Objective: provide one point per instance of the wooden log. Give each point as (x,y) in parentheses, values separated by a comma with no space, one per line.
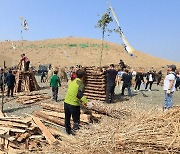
(49,137)
(52,107)
(50,118)
(95,79)
(95,82)
(93,88)
(94,92)
(95,95)
(94,85)
(96,98)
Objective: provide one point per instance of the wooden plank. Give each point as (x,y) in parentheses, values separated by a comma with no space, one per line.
(49,137)
(14,124)
(23,121)
(13,129)
(23,137)
(1,114)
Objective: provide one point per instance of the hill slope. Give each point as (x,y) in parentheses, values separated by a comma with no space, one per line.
(72,51)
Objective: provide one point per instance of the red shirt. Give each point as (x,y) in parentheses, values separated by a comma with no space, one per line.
(25,59)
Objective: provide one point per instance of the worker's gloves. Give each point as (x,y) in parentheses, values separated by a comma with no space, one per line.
(89,105)
(168,91)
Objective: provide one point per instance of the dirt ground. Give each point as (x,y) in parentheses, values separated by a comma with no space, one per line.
(145,100)
(95,138)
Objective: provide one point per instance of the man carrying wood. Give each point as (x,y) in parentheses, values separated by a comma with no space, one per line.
(55,83)
(73,98)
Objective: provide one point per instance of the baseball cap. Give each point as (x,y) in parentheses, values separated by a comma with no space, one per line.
(173,67)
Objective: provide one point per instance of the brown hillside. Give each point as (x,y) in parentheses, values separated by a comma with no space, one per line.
(72,51)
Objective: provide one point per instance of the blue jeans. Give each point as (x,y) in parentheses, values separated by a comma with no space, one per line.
(168,101)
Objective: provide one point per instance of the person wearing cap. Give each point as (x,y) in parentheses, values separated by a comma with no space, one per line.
(26,62)
(74,97)
(169,86)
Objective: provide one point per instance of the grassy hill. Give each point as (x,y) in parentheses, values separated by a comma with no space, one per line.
(72,51)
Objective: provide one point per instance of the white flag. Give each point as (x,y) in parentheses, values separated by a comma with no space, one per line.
(24,23)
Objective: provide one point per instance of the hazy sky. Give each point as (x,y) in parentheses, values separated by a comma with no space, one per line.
(151,26)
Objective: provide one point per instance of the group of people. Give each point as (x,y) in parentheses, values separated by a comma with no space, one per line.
(7,78)
(170,84)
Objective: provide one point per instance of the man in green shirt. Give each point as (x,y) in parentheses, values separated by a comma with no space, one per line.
(74,97)
(55,83)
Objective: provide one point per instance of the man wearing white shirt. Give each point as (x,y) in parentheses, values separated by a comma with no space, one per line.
(169,86)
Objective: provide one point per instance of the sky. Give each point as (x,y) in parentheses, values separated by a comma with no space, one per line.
(151,26)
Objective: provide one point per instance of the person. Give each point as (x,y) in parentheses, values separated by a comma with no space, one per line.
(139,80)
(43,77)
(169,86)
(159,77)
(126,78)
(122,65)
(11,81)
(3,75)
(1,79)
(55,83)
(177,80)
(150,77)
(73,99)
(73,74)
(110,83)
(26,62)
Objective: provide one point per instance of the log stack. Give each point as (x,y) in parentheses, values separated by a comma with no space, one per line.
(25,81)
(20,133)
(95,84)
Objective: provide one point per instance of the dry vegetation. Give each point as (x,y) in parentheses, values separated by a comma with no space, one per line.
(63,52)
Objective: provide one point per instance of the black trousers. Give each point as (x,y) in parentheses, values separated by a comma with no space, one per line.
(10,90)
(110,92)
(55,92)
(26,66)
(158,81)
(150,84)
(138,84)
(73,111)
(1,87)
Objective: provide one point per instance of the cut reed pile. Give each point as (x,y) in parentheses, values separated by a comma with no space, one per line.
(158,134)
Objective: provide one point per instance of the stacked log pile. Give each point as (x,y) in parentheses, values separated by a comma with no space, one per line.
(25,81)
(20,133)
(95,84)
(30,99)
